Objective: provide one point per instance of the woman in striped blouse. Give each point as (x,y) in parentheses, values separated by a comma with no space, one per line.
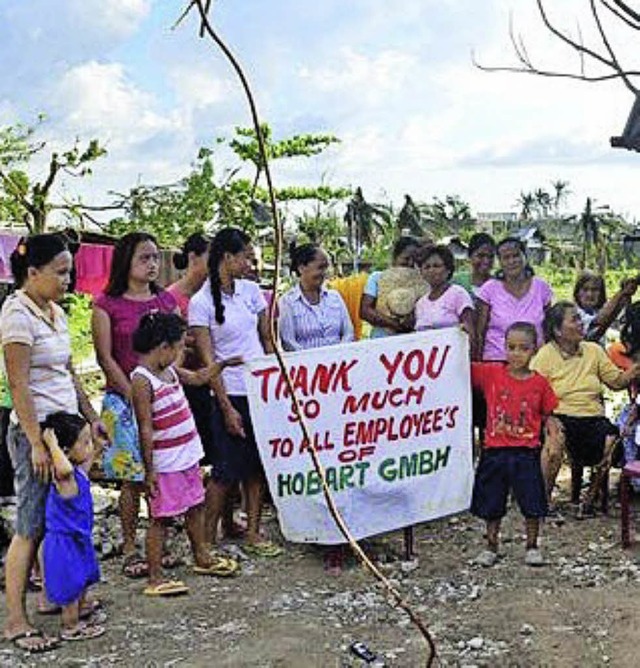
(312,315)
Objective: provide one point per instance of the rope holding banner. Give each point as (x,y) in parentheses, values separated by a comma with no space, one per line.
(203,7)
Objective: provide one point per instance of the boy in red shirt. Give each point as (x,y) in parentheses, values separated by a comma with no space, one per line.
(518,400)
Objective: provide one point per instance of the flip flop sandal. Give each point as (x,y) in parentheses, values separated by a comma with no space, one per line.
(134,566)
(169,588)
(82,631)
(91,609)
(266,550)
(97,617)
(219,567)
(46,644)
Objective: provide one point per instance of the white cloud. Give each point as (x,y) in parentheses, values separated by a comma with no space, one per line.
(118,18)
(197,87)
(363,77)
(98,98)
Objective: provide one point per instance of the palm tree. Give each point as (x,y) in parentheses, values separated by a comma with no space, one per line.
(410,220)
(364,221)
(561,191)
(542,202)
(526,202)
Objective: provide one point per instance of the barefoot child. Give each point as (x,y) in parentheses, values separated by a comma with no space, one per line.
(518,400)
(171,447)
(70,563)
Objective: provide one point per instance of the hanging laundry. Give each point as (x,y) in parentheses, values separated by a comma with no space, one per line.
(93,262)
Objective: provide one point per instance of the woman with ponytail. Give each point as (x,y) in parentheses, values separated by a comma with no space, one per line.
(37,353)
(131,293)
(192,259)
(228,319)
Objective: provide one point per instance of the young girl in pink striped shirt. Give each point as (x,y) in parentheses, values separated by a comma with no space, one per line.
(171,446)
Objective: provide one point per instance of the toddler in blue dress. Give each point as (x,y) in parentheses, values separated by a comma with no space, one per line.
(70,563)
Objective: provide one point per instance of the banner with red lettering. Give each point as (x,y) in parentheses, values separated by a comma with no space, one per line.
(391,419)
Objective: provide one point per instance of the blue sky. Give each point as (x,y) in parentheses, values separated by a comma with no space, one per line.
(393,80)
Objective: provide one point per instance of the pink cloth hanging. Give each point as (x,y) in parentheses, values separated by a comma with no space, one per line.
(8,243)
(93,262)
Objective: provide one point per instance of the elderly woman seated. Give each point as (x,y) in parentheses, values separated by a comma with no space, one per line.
(577,370)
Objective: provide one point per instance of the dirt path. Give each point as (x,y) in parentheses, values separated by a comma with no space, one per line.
(580,610)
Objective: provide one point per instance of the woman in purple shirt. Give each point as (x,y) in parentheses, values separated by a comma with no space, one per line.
(515,295)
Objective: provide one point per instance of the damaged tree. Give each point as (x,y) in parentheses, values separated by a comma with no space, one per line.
(602,55)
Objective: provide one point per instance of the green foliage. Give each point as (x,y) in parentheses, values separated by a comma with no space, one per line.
(245,145)
(78,308)
(25,201)
(204,200)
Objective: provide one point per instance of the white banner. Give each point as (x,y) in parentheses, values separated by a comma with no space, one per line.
(391,418)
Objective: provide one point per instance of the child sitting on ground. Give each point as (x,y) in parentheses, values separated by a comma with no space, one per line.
(70,563)
(171,447)
(518,400)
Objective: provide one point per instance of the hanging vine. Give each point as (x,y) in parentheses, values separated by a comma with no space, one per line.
(206,29)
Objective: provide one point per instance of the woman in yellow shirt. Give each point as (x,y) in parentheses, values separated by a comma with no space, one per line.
(577,370)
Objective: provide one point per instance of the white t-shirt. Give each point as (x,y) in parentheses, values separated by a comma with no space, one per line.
(238,335)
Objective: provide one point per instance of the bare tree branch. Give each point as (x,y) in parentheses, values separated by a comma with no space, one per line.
(625,9)
(629,21)
(607,59)
(607,46)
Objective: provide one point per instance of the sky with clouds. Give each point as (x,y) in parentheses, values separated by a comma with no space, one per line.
(393,80)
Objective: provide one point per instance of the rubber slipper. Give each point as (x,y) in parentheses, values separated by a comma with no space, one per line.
(266,550)
(82,631)
(90,609)
(134,566)
(169,588)
(219,567)
(46,643)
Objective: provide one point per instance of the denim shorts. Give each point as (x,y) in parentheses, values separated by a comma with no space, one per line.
(31,494)
(501,470)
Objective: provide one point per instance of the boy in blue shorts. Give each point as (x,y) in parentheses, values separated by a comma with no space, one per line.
(518,400)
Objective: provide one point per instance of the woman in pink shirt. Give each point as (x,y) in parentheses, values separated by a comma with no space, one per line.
(515,295)
(131,292)
(446,304)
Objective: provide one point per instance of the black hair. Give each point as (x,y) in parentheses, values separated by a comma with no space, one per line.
(587,277)
(158,328)
(35,251)
(402,244)
(66,427)
(196,243)
(553,319)
(630,332)
(478,240)
(123,253)
(442,252)
(302,255)
(524,327)
(227,240)
(528,269)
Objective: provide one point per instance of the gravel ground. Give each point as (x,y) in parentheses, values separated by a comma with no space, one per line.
(578,610)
